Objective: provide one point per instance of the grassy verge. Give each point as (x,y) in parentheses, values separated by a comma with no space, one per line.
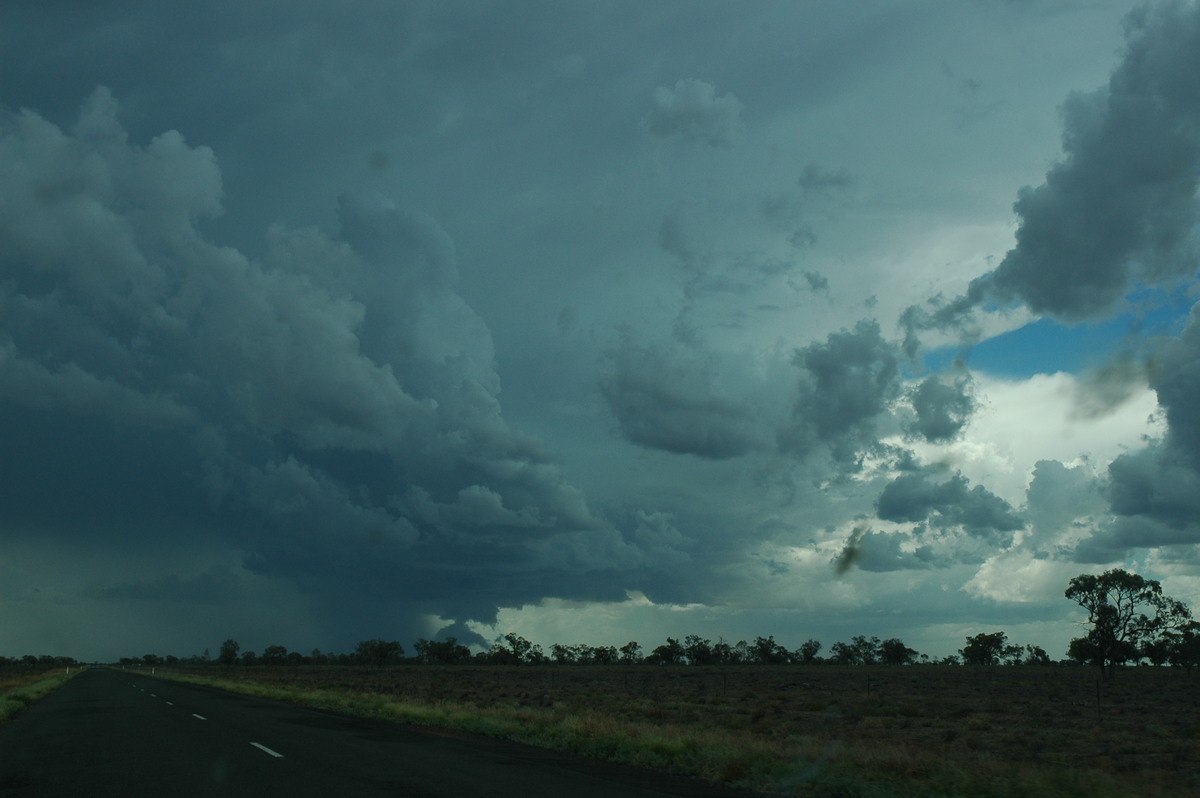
(19,690)
(786,765)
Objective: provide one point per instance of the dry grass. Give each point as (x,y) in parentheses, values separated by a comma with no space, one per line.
(805,730)
(20,688)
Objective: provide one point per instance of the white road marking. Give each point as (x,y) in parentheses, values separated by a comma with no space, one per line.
(170,704)
(268,750)
(201,717)
(154,695)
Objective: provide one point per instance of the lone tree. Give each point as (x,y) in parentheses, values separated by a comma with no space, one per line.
(229,652)
(1128,614)
(988,649)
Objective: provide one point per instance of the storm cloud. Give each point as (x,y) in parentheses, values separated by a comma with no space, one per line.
(336,394)
(943,407)
(915,498)
(846,386)
(1120,207)
(405,320)
(671,403)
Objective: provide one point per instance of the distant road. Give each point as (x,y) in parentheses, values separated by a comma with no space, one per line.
(116,733)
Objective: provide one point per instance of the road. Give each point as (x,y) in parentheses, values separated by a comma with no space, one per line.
(116,733)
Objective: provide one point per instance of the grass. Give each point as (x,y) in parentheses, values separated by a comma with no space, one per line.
(867,747)
(19,689)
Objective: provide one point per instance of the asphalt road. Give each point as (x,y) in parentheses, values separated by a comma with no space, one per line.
(116,733)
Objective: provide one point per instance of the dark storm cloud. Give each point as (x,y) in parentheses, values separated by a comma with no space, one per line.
(671,404)
(693,112)
(847,384)
(211,587)
(332,408)
(915,498)
(943,407)
(1175,377)
(1120,206)
(1155,492)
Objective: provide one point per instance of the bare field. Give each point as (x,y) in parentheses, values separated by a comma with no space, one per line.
(1042,730)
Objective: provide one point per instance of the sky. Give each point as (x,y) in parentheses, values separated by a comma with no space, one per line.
(593,322)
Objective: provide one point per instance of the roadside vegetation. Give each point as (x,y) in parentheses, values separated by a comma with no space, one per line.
(21,686)
(799,730)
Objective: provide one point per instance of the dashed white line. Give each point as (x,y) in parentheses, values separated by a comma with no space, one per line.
(170,704)
(262,747)
(199,717)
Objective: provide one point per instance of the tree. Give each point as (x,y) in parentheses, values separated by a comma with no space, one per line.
(807,651)
(859,651)
(441,652)
(1185,646)
(1126,612)
(377,653)
(767,652)
(669,653)
(988,649)
(698,650)
(522,649)
(229,652)
(1035,655)
(894,652)
(631,653)
(274,655)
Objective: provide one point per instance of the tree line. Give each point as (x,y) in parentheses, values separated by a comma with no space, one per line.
(1129,620)
(42,661)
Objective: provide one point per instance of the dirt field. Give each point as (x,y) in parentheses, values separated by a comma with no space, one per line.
(1142,727)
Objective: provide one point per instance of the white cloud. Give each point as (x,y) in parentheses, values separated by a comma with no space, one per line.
(1019,422)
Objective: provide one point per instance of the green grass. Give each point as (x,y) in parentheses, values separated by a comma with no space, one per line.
(18,691)
(789,765)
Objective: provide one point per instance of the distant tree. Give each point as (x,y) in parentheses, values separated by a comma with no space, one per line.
(894,652)
(767,652)
(807,652)
(1158,650)
(604,655)
(229,652)
(859,651)
(721,653)
(377,653)
(698,650)
(631,653)
(1185,646)
(274,655)
(171,659)
(669,653)
(1035,655)
(1125,611)
(441,652)
(562,654)
(987,649)
(521,648)
(151,659)
(249,658)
